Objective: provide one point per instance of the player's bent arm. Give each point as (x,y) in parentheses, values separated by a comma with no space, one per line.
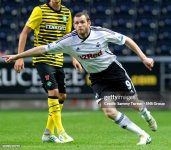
(19,64)
(76,64)
(148,62)
(133,46)
(23,38)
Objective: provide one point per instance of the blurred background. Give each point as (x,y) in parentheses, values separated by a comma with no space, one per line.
(147,22)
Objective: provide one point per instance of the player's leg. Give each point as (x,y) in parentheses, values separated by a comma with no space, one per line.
(50,126)
(124,122)
(54,110)
(60,94)
(49,84)
(60,78)
(145,113)
(139,105)
(62,97)
(127,86)
(112,80)
(54,117)
(119,118)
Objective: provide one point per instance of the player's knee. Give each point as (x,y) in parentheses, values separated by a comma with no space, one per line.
(110,113)
(53,93)
(62,96)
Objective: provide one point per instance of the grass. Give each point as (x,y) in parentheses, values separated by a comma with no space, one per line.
(90,129)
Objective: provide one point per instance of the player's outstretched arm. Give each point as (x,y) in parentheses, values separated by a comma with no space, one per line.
(148,62)
(36,51)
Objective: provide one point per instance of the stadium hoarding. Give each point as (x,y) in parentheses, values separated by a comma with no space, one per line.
(143,79)
(27,83)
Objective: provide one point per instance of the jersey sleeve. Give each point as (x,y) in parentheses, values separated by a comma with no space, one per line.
(56,47)
(114,37)
(35,18)
(69,23)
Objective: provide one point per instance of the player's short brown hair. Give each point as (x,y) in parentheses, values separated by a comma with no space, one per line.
(79,14)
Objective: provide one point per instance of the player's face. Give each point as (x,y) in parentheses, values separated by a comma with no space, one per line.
(82,26)
(56,1)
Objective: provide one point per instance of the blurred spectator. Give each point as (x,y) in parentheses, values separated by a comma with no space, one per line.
(146,21)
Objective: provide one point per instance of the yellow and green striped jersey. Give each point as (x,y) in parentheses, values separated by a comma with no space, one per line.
(49,25)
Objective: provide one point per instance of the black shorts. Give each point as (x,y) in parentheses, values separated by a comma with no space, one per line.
(52,77)
(112,80)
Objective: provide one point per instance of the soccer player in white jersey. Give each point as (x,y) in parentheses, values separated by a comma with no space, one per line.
(89,45)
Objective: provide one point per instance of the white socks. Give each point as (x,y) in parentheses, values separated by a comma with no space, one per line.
(145,113)
(124,122)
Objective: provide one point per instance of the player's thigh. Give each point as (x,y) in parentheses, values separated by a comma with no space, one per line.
(47,75)
(125,91)
(125,85)
(60,79)
(99,91)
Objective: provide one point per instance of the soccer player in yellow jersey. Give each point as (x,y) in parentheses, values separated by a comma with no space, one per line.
(50,22)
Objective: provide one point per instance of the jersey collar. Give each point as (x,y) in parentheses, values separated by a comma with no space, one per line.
(83,39)
(54,9)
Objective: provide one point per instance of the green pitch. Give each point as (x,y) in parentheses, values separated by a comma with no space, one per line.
(90,129)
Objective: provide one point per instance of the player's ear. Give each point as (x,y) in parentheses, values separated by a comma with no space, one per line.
(89,22)
(73,25)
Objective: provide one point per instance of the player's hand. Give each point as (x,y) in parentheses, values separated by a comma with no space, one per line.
(9,58)
(77,65)
(19,65)
(148,62)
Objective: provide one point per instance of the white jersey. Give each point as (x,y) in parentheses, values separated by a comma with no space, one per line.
(93,52)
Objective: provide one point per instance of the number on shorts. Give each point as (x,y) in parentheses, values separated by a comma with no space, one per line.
(128,84)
